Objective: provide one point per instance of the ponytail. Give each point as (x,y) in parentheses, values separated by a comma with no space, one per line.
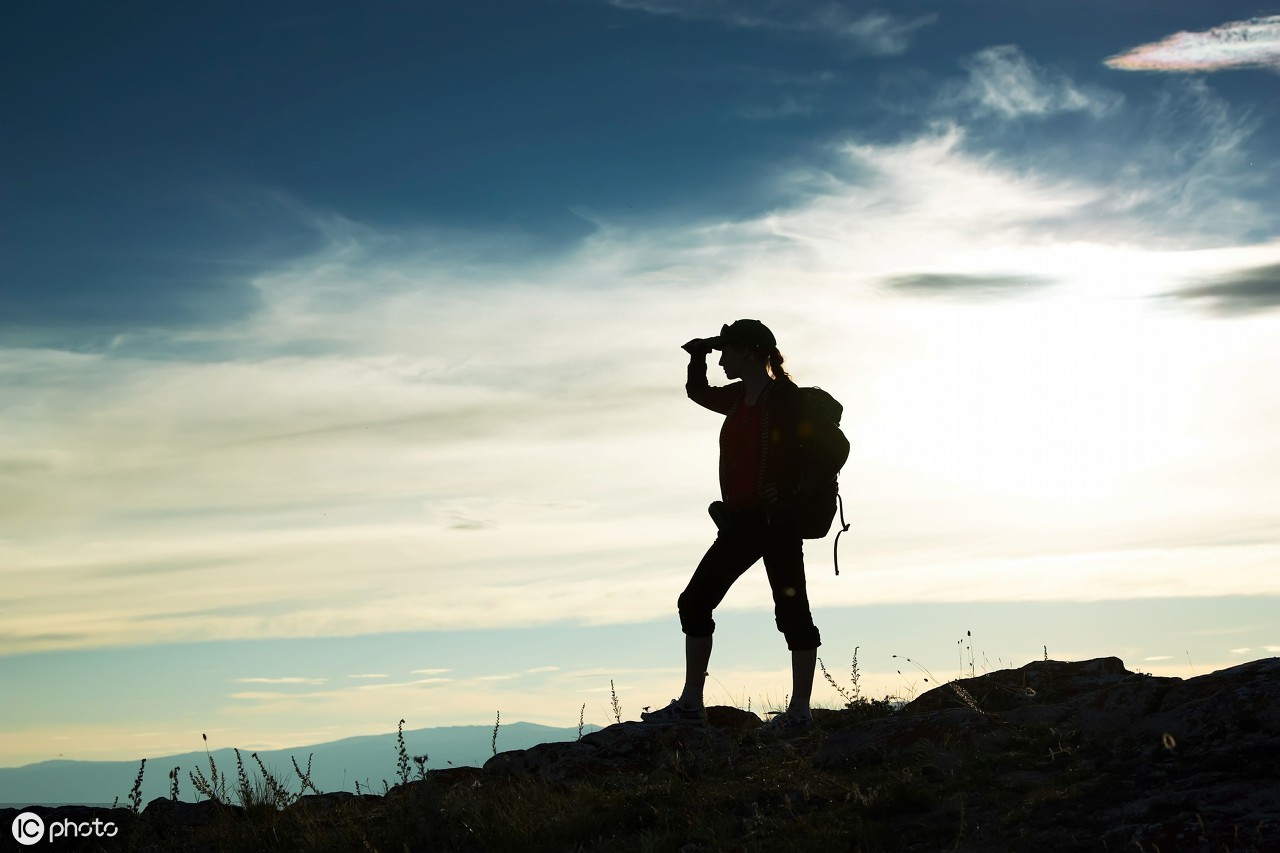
(773,363)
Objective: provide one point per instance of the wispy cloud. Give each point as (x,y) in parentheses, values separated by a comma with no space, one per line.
(1004,81)
(1195,166)
(968,286)
(1244,291)
(270,696)
(418,682)
(1254,43)
(285,680)
(1178,156)
(875,33)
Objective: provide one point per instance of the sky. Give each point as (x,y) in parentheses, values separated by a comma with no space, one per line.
(340,377)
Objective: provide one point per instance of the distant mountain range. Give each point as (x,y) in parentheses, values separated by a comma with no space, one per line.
(335,766)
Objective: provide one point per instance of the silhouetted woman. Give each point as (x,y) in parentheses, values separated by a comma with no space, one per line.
(762,478)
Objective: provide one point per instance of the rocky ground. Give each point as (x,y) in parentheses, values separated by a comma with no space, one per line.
(1050,756)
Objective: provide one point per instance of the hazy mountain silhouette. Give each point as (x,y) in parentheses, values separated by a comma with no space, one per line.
(335,766)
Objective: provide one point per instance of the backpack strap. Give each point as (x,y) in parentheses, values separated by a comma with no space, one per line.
(844,526)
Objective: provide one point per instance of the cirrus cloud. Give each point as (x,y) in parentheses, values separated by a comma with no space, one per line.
(1004,81)
(875,33)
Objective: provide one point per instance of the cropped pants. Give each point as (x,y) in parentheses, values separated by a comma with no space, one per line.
(740,543)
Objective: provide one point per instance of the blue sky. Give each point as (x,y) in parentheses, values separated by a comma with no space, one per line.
(354,321)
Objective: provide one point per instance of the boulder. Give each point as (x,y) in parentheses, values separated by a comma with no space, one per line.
(187,815)
(624,748)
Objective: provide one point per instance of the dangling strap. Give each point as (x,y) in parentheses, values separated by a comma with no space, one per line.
(835,550)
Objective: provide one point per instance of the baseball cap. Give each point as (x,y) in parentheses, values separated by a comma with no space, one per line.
(751,333)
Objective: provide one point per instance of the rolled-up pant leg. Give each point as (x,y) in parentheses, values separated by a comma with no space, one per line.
(726,560)
(783,552)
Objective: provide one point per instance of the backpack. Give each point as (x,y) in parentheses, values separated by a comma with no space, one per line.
(823,449)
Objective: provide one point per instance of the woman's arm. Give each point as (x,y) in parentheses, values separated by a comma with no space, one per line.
(719,399)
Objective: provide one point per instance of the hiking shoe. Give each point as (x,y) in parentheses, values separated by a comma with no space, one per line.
(784,724)
(675,713)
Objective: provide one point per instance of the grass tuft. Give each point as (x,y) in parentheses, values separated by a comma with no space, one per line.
(402,763)
(213,786)
(305,777)
(135,793)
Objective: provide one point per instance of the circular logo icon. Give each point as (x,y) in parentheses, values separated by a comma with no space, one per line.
(28,828)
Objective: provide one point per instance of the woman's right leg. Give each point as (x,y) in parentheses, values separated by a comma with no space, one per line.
(784,563)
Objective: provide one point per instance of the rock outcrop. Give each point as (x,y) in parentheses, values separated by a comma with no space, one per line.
(1135,761)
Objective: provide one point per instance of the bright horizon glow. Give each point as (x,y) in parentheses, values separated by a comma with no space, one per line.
(749,669)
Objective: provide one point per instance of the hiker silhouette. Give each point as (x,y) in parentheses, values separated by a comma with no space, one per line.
(769,476)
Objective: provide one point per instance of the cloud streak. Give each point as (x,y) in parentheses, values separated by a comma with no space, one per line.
(967,286)
(1246,291)
(1005,82)
(1254,43)
(874,33)
(283,680)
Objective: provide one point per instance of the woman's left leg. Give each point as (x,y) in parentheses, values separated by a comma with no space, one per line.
(803,665)
(784,563)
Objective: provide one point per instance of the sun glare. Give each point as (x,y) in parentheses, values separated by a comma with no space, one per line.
(1054,401)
